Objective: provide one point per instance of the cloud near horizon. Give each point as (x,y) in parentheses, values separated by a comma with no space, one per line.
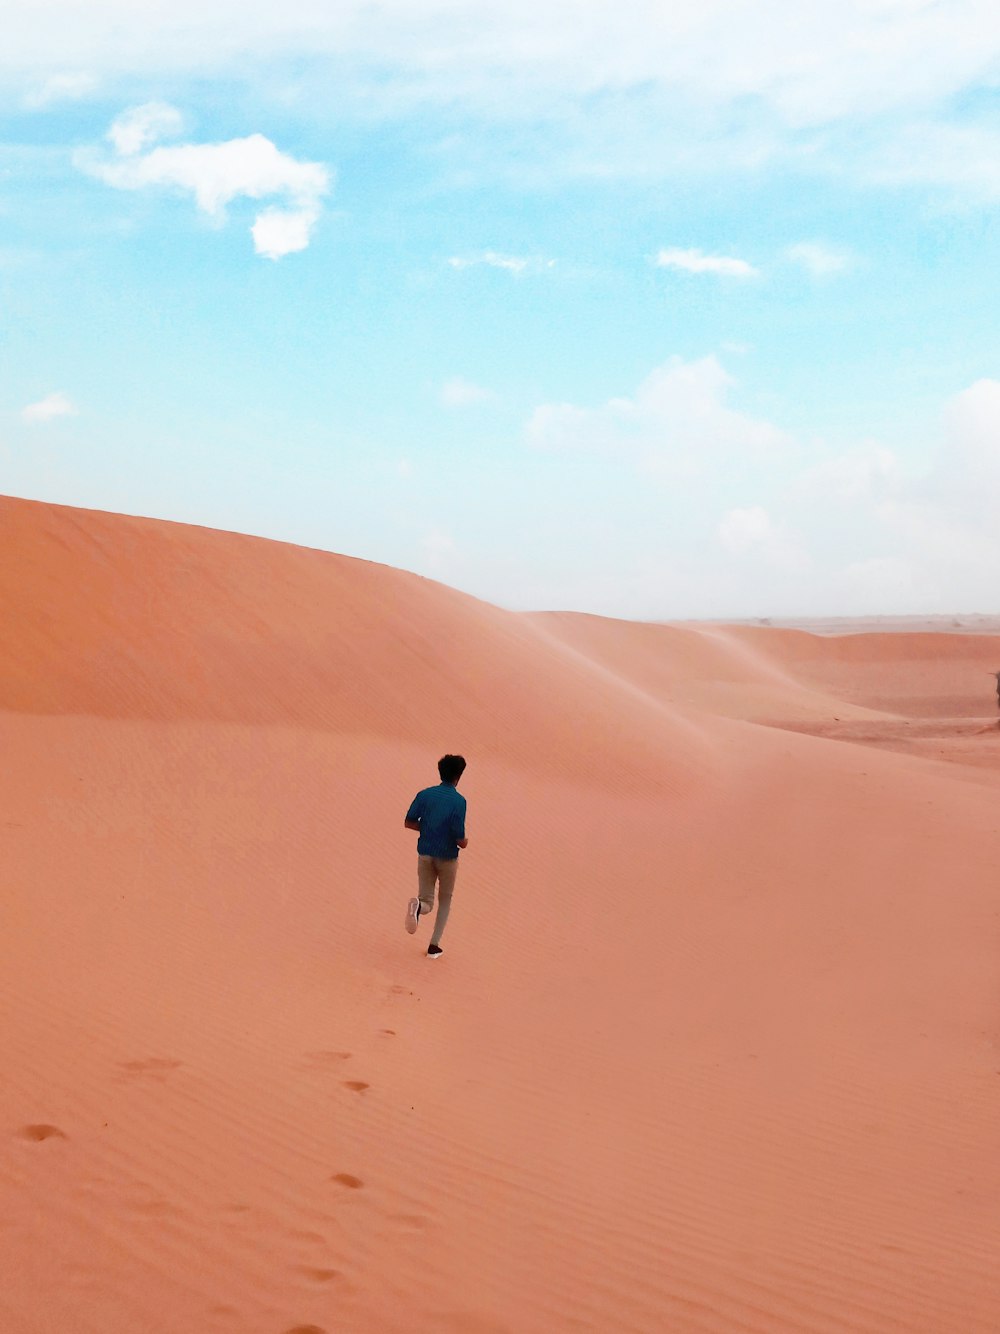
(676,423)
(868,533)
(215,174)
(48,409)
(849,532)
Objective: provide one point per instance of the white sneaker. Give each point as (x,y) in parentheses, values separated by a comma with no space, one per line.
(412,915)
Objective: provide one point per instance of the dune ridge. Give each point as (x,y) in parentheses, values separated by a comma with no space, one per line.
(713,1046)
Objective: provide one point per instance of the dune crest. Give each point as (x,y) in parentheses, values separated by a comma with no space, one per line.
(133,618)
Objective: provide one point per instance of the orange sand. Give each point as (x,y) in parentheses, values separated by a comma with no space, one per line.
(713,1045)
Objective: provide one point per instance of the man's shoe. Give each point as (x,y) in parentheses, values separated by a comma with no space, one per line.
(412,915)
(434,951)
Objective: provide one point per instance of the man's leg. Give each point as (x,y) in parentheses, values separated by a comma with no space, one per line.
(426,876)
(446,871)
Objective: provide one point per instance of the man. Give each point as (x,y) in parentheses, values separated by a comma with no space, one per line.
(438,815)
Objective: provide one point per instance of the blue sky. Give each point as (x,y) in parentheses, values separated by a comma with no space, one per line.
(654,312)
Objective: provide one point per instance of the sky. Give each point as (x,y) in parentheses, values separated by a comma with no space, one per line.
(648,309)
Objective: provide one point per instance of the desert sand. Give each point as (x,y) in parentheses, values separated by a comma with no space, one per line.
(714,1042)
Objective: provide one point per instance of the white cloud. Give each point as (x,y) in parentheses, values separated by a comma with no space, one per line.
(70,87)
(459,393)
(963,157)
(810,62)
(676,423)
(881,538)
(138,127)
(282,231)
(694,261)
(819,259)
(865,474)
(48,408)
(216,174)
(621,87)
(964,482)
(565,426)
(754,523)
(942,561)
(516,264)
(751,532)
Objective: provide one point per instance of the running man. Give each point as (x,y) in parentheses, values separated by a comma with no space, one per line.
(438,816)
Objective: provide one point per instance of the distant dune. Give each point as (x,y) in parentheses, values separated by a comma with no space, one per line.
(969,623)
(714,1042)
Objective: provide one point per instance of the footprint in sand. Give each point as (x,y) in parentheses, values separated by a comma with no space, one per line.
(300,1235)
(38,1133)
(154,1067)
(325,1060)
(346,1179)
(466,1322)
(319,1275)
(358,1085)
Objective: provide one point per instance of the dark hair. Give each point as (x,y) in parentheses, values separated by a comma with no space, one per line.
(451,768)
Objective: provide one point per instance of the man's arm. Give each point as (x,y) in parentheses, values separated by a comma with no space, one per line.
(412,816)
(458,829)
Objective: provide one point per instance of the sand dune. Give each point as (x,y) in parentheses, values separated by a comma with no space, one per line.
(916,675)
(713,1046)
(711,668)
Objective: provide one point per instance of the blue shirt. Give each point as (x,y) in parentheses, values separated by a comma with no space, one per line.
(441,813)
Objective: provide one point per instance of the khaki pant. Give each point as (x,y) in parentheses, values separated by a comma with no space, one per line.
(440,872)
